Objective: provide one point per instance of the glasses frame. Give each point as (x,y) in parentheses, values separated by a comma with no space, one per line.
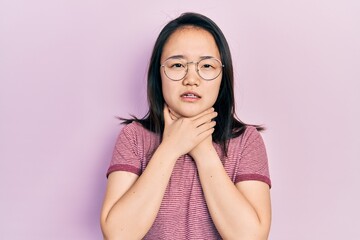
(196,69)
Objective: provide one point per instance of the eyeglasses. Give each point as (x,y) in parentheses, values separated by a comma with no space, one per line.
(207,68)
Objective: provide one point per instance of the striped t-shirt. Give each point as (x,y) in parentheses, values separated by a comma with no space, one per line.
(183,213)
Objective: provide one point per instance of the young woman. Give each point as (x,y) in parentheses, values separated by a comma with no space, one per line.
(189,169)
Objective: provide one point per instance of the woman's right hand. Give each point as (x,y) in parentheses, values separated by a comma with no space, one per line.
(182,134)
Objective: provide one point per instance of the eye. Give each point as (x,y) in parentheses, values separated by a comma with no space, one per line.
(210,64)
(207,66)
(177,65)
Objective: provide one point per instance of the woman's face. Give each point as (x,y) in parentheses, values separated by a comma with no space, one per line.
(191,95)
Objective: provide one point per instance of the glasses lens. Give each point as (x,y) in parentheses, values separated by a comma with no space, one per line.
(210,68)
(175,69)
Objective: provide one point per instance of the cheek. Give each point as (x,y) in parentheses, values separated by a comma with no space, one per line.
(166,90)
(215,93)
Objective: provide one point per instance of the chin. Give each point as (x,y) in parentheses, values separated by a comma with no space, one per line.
(188,110)
(191,113)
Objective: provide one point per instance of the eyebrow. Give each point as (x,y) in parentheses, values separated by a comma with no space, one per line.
(182,56)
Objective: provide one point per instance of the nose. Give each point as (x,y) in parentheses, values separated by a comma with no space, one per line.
(192,77)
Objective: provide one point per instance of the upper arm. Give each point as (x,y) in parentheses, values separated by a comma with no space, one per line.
(118,184)
(124,167)
(258,195)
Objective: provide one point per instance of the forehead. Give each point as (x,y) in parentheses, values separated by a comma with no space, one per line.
(190,42)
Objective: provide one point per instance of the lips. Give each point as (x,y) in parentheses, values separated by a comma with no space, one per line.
(190,95)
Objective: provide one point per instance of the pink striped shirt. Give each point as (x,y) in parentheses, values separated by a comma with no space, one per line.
(183,213)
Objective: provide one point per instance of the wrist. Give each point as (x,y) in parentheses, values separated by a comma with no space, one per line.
(203,153)
(207,162)
(168,151)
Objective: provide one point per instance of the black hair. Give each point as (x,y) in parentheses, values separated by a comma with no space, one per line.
(227,124)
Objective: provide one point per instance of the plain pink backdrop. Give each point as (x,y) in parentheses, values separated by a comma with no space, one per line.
(67,68)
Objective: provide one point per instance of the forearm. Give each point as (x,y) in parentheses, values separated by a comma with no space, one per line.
(232,214)
(134,213)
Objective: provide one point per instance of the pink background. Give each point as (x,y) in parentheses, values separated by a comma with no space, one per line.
(68,67)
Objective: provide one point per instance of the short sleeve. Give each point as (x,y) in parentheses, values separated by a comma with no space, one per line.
(253,160)
(126,153)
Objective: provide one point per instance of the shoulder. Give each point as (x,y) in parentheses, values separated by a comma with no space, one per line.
(132,127)
(136,128)
(138,135)
(250,139)
(250,134)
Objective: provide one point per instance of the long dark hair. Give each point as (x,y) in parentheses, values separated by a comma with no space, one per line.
(227,124)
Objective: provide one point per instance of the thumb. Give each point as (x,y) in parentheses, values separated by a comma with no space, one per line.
(174,116)
(167,118)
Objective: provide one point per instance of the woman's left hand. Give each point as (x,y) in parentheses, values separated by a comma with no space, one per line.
(202,148)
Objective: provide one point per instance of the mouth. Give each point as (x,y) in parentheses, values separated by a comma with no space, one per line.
(190,95)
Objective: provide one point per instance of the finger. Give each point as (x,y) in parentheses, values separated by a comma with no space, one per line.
(206,118)
(206,127)
(203,135)
(207,111)
(173,115)
(167,117)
